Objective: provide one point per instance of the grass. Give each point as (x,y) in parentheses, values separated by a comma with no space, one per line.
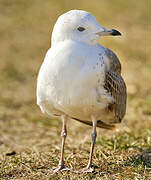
(30,141)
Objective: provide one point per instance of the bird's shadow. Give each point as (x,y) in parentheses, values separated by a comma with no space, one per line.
(142,158)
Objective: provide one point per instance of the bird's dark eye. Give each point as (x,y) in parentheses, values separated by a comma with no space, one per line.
(80,29)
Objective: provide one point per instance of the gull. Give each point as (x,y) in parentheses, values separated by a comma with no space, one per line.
(80,79)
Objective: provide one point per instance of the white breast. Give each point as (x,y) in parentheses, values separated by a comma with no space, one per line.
(71,80)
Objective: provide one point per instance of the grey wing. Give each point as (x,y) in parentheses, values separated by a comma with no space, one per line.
(116,87)
(115,64)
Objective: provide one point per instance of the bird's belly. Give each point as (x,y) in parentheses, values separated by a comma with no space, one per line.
(76,102)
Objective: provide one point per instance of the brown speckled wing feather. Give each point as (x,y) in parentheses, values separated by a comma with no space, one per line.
(115,64)
(115,85)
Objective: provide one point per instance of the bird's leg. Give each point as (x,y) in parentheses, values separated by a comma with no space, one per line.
(61,165)
(93,138)
(63,135)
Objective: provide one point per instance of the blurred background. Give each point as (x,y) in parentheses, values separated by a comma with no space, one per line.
(25,32)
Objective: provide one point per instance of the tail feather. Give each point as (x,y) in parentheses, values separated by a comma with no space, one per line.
(100,124)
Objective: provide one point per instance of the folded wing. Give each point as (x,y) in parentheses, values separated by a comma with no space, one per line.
(115,86)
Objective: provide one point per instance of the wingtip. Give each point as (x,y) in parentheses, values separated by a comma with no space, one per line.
(105,126)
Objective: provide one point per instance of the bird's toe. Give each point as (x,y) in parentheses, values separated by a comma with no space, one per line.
(60,169)
(86,170)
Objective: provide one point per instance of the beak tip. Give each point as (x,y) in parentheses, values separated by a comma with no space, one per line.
(115,33)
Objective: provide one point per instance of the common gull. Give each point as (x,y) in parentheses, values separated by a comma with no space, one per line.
(80,79)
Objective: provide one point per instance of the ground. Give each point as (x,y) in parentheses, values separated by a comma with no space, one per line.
(29,140)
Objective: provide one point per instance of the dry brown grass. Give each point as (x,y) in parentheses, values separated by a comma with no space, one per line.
(34,138)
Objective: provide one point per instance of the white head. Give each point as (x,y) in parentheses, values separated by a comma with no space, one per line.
(80,26)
